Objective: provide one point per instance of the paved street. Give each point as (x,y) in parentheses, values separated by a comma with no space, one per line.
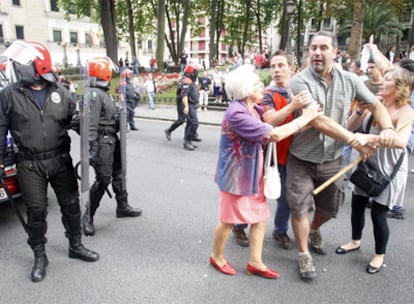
(162,257)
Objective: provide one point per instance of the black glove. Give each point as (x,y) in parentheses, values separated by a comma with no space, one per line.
(75,122)
(93,153)
(2,172)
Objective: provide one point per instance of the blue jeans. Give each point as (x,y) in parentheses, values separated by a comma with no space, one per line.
(151,96)
(282,213)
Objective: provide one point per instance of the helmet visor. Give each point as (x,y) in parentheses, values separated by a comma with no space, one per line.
(112,65)
(20,52)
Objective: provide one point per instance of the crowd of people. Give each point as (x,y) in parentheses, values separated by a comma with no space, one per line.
(312,154)
(316,115)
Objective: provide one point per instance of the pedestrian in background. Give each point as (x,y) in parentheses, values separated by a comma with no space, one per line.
(204,84)
(150,89)
(73,88)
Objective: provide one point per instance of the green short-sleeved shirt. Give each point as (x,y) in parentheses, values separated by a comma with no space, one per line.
(335,102)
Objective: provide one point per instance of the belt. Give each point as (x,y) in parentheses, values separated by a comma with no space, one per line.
(28,155)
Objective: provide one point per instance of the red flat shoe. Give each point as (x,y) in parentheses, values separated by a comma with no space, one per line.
(226,268)
(268,273)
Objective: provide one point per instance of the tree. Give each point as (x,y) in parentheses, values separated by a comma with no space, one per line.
(377,20)
(102,11)
(160,35)
(357,27)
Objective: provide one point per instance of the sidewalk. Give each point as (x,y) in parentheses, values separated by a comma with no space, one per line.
(169,113)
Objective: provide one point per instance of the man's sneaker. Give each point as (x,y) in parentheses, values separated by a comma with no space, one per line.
(283,240)
(306,268)
(317,244)
(240,237)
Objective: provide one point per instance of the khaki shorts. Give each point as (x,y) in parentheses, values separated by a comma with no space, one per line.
(303,177)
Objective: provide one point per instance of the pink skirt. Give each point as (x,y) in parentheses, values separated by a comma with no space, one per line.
(239,209)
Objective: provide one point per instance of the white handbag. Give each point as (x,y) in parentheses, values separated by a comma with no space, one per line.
(272,187)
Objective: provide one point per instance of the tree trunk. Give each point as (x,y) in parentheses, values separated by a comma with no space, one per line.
(299,31)
(186,13)
(212,30)
(107,9)
(160,35)
(131,29)
(357,28)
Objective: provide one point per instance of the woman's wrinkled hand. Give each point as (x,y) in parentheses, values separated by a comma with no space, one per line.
(312,110)
(300,100)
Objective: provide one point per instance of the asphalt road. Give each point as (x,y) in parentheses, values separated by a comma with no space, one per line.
(162,257)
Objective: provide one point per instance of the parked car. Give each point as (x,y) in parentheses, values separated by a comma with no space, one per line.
(9,164)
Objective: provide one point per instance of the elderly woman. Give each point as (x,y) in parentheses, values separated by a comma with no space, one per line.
(240,167)
(395,92)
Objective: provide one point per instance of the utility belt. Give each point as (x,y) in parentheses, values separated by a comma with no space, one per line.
(29,155)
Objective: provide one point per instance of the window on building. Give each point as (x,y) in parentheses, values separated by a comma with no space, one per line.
(54,5)
(327,23)
(19,32)
(73,37)
(16,2)
(149,45)
(1,34)
(57,36)
(314,23)
(88,41)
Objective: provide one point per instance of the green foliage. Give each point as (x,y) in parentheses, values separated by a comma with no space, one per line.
(378,20)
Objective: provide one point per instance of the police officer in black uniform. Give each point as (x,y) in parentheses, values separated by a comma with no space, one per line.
(190,97)
(187,104)
(105,155)
(38,112)
(132,97)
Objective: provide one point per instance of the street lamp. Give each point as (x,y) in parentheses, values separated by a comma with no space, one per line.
(290,5)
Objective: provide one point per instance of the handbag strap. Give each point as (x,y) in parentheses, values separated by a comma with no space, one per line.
(397,166)
(270,154)
(369,124)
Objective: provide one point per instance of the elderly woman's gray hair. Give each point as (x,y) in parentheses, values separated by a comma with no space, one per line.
(241,82)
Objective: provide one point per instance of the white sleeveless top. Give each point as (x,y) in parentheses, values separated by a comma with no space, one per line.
(385,160)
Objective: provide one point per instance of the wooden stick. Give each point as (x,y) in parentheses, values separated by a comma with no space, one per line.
(351,165)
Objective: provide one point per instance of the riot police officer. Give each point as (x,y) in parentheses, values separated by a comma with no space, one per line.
(105,156)
(190,98)
(187,104)
(38,111)
(132,97)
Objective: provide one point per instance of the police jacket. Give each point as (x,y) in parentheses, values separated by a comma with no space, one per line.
(126,88)
(187,88)
(103,113)
(35,130)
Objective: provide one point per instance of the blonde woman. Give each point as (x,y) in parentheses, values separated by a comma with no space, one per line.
(395,93)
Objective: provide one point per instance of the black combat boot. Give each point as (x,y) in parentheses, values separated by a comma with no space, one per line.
(87,221)
(40,263)
(78,251)
(71,222)
(95,194)
(36,220)
(125,210)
